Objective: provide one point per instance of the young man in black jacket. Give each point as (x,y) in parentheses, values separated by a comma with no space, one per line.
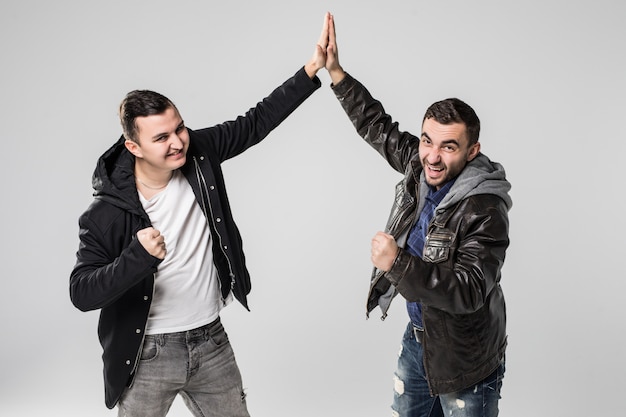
(160,254)
(442,250)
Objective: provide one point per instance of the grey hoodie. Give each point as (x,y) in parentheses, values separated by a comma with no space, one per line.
(480,176)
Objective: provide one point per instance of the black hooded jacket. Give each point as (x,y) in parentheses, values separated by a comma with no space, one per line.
(114,273)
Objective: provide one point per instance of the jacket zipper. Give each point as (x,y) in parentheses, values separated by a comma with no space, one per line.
(204,196)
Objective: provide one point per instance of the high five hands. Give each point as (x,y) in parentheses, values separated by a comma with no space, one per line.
(326,54)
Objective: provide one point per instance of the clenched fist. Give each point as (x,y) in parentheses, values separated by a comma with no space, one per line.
(384,251)
(152,241)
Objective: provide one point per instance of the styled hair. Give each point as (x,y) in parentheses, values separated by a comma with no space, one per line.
(453,110)
(141,103)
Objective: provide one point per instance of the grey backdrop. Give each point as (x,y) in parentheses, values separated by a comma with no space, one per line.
(546,78)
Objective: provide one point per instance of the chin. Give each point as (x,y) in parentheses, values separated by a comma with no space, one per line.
(180,161)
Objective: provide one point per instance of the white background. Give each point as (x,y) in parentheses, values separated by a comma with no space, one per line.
(547,79)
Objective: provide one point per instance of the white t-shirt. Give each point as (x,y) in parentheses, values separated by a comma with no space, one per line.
(187,289)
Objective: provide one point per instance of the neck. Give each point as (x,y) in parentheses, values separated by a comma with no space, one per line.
(153,180)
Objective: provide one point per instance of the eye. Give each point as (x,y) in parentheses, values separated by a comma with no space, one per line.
(180,128)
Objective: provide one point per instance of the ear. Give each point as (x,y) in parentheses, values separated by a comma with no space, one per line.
(133,147)
(473,151)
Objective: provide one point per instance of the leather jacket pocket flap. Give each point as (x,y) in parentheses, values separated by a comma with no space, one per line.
(437,246)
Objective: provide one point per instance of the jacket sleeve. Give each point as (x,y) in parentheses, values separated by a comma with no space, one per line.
(231,138)
(374,125)
(99,276)
(461,284)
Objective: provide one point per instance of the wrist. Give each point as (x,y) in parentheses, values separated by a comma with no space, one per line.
(311,69)
(336,75)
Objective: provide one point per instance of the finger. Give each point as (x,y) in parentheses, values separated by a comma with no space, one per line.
(323,41)
(332,37)
(380,236)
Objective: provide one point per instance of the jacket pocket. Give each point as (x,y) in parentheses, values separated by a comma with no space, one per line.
(437,246)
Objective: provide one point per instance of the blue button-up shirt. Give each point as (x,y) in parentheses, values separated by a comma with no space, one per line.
(417,238)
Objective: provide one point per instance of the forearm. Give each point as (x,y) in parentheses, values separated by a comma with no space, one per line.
(233,137)
(96,281)
(373,124)
(460,280)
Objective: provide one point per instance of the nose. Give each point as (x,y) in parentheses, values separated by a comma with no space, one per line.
(175,141)
(433,156)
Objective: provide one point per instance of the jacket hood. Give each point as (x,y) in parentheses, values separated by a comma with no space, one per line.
(480,176)
(113,179)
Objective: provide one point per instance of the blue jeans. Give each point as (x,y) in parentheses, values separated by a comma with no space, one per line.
(412,396)
(198,364)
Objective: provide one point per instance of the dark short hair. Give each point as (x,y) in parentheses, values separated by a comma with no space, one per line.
(141,103)
(453,110)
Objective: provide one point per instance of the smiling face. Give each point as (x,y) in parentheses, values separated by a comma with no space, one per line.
(162,143)
(444,151)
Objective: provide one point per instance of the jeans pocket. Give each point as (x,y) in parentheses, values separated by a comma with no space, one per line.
(218,336)
(150,349)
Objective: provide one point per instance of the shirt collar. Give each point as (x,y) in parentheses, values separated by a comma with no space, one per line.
(437,195)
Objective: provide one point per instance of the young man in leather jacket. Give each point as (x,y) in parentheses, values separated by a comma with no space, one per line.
(160,254)
(443,249)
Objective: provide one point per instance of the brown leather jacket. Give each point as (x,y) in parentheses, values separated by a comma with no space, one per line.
(458,279)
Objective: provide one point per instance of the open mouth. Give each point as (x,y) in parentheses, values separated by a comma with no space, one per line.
(435,173)
(435,170)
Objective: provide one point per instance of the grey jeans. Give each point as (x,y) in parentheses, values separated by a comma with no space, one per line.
(198,364)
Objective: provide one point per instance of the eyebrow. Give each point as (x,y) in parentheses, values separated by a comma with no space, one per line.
(160,135)
(445,142)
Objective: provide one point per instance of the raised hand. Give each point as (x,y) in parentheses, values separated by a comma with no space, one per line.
(318,60)
(335,70)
